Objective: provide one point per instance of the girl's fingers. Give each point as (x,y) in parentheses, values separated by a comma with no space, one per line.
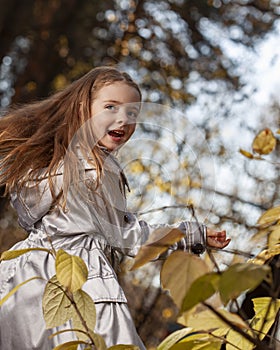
(217,239)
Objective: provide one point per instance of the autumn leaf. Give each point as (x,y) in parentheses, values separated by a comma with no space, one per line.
(266,254)
(266,310)
(246,154)
(198,341)
(237,341)
(206,320)
(71,271)
(174,338)
(274,237)
(178,273)
(57,308)
(159,241)
(86,307)
(270,216)
(16,288)
(71,345)
(12,254)
(264,142)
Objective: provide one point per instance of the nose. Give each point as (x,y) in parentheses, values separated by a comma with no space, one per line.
(122,118)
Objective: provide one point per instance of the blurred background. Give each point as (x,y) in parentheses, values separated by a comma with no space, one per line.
(210,76)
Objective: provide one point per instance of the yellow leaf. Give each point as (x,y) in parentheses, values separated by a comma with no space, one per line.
(263,320)
(262,233)
(246,154)
(198,342)
(264,142)
(71,271)
(67,330)
(98,342)
(207,320)
(14,290)
(266,254)
(270,216)
(238,341)
(57,308)
(12,254)
(159,241)
(174,338)
(274,237)
(178,273)
(87,310)
(71,345)
(123,347)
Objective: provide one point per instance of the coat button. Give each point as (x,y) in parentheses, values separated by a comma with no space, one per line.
(197,248)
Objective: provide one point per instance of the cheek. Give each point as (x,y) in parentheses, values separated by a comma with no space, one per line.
(132,128)
(101,120)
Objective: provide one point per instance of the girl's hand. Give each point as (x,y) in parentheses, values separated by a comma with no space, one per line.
(216,239)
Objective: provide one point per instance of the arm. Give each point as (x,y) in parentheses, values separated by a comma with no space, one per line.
(197,236)
(124,232)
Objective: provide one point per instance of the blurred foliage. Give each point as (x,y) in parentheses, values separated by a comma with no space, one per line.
(52,42)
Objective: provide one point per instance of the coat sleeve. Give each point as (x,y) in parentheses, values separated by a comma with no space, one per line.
(194,240)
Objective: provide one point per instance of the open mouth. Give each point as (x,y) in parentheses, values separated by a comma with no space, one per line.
(116,133)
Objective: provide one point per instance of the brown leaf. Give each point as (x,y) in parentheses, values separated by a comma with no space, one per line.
(178,273)
(159,241)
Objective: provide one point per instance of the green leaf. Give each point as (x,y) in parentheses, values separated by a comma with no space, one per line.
(12,254)
(57,308)
(239,278)
(87,310)
(71,270)
(178,273)
(174,338)
(200,290)
(263,320)
(14,290)
(159,241)
(71,345)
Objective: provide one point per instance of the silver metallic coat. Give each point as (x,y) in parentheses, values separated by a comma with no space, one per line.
(95,226)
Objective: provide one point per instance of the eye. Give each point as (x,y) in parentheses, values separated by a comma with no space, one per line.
(132,114)
(111,107)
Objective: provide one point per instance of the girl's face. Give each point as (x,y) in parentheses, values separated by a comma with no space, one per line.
(114,110)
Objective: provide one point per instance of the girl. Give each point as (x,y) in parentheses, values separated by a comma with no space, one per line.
(57,165)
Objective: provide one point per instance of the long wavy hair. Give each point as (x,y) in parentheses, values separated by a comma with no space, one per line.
(36,137)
